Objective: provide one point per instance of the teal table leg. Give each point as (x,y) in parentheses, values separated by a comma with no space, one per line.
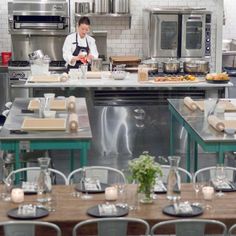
(188,154)
(171,134)
(72,160)
(221,156)
(195,156)
(83,157)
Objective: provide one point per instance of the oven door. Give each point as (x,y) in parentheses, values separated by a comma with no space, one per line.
(164,35)
(193,35)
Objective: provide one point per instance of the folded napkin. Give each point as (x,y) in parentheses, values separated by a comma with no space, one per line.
(71,104)
(221,185)
(29,186)
(216,123)
(27,210)
(73,122)
(107,209)
(159,186)
(90,186)
(190,103)
(183,208)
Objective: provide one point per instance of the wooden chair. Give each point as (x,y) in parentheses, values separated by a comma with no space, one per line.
(113,226)
(28,228)
(105,174)
(193,227)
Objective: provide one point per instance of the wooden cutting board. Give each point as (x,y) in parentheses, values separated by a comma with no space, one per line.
(38,124)
(169,82)
(44,79)
(97,74)
(125,59)
(229,107)
(230,124)
(56,105)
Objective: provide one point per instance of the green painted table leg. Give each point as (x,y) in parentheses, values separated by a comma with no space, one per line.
(83,157)
(171,135)
(221,156)
(72,160)
(188,153)
(195,156)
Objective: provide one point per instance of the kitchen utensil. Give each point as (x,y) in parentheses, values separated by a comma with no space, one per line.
(196,66)
(152,65)
(120,6)
(38,54)
(102,6)
(96,64)
(82,7)
(171,66)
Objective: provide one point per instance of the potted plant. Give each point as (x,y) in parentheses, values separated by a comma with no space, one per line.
(145,170)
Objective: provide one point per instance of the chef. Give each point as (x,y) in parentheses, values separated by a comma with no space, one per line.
(79,48)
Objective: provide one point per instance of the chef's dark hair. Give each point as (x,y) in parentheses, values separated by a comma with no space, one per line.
(84,20)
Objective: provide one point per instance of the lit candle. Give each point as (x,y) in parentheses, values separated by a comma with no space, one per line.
(111,194)
(208,192)
(17,195)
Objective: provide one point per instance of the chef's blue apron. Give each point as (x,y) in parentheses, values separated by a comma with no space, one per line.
(76,53)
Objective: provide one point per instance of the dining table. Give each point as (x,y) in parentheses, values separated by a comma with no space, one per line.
(13,138)
(200,132)
(70,210)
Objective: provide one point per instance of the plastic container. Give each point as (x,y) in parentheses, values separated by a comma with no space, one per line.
(6,56)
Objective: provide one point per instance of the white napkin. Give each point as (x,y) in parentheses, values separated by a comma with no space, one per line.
(221,185)
(107,209)
(90,186)
(184,208)
(29,186)
(159,186)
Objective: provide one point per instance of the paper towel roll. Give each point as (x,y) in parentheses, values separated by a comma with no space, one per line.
(64,77)
(71,104)
(190,103)
(216,123)
(73,122)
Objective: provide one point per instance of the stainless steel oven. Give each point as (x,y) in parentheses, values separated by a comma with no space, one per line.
(176,32)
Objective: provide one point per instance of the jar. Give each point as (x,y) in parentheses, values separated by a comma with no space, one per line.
(142,73)
(173,179)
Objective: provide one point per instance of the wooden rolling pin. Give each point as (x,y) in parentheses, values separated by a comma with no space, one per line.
(73,122)
(216,123)
(190,103)
(71,104)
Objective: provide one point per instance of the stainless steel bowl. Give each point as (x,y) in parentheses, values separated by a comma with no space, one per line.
(151,64)
(196,66)
(171,66)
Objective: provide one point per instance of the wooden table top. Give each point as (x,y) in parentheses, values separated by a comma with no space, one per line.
(71,210)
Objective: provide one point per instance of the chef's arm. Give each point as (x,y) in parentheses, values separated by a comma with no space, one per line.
(67,55)
(93,50)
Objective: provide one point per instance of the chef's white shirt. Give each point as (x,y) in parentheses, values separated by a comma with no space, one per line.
(69,46)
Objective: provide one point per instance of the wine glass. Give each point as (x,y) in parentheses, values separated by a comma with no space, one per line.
(221,178)
(84,183)
(8,184)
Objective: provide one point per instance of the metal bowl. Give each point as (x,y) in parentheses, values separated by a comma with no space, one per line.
(196,66)
(171,66)
(152,65)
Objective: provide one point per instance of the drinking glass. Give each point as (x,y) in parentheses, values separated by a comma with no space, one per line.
(84,69)
(8,184)
(221,178)
(84,182)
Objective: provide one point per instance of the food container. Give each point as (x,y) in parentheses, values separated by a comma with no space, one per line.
(82,7)
(119,75)
(120,6)
(96,64)
(6,56)
(171,67)
(196,66)
(102,6)
(151,64)
(143,73)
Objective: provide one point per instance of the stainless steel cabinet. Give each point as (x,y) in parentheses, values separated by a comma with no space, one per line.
(4,88)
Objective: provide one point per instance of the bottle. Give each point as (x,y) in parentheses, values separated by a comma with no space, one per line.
(44,183)
(173,179)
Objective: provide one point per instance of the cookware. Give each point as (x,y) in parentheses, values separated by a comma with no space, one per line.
(96,64)
(152,64)
(120,6)
(196,66)
(171,66)
(101,6)
(82,7)
(38,54)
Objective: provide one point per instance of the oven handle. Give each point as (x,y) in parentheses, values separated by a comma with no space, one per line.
(37,26)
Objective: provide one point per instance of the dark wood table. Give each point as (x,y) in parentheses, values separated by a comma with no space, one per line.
(71,210)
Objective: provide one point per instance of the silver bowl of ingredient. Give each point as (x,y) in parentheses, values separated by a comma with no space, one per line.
(196,66)
(171,66)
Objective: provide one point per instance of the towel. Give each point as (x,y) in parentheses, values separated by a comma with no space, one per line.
(159,186)
(71,104)
(190,103)
(73,122)
(183,208)
(107,209)
(216,123)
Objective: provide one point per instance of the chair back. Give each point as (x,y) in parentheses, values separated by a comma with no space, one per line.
(27,228)
(114,226)
(185,176)
(232,230)
(104,174)
(35,172)
(208,173)
(193,227)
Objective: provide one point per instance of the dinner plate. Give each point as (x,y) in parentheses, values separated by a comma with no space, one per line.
(170,210)
(80,188)
(217,81)
(94,211)
(232,189)
(40,212)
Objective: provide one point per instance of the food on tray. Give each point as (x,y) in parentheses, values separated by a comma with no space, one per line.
(217,76)
(175,78)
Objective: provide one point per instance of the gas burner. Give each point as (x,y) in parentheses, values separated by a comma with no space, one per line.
(18,63)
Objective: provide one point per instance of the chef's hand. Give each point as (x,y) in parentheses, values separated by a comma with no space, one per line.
(90,57)
(81,58)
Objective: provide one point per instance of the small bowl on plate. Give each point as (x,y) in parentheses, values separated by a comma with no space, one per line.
(230,131)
